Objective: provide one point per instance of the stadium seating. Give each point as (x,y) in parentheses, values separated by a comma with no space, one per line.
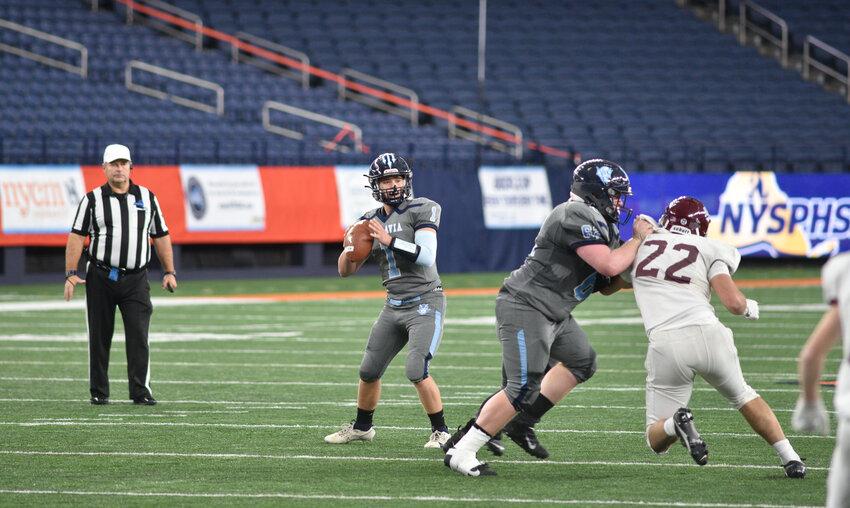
(646,83)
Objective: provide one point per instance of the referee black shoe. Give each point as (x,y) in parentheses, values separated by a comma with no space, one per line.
(683,422)
(99,401)
(144,400)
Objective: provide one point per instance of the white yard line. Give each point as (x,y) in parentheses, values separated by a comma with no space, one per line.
(443,499)
(372,458)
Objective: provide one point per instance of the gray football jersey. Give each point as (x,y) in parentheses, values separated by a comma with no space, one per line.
(554,279)
(402,277)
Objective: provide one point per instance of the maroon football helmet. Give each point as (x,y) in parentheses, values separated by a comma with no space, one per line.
(686,215)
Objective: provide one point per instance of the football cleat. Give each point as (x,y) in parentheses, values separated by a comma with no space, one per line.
(466,463)
(459,433)
(495,445)
(438,439)
(522,433)
(794,469)
(348,434)
(683,422)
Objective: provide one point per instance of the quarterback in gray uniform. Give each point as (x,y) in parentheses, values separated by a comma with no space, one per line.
(405,246)
(577,248)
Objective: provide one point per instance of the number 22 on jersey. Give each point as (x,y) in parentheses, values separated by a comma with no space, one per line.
(690,251)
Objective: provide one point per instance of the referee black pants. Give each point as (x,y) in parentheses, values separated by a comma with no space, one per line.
(131,294)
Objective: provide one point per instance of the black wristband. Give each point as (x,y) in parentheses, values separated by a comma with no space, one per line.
(169,273)
(70,273)
(405,249)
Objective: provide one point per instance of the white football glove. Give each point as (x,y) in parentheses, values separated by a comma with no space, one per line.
(810,417)
(752,310)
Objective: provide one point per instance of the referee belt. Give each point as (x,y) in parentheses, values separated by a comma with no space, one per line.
(122,271)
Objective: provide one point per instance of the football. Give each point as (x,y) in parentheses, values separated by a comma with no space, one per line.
(357,242)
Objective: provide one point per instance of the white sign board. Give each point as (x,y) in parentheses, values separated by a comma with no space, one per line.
(223,198)
(40,199)
(514,197)
(353,193)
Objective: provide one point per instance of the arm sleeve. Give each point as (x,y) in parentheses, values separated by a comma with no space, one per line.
(82,219)
(427,242)
(581,227)
(158,227)
(718,268)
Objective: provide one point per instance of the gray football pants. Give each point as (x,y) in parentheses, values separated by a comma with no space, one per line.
(529,340)
(420,324)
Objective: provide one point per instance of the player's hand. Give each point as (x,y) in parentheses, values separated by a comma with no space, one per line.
(70,283)
(377,231)
(810,417)
(752,312)
(641,228)
(169,282)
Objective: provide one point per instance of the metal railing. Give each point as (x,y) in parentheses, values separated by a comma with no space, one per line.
(218,108)
(319,73)
(458,131)
(264,63)
(196,38)
(746,24)
(345,92)
(82,69)
(344,127)
(809,61)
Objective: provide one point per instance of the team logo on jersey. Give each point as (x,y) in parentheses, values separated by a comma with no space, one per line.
(757,216)
(590,232)
(140,204)
(393,228)
(423,309)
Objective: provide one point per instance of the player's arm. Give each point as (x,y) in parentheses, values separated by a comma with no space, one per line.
(422,251)
(614,262)
(614,284)
(730,296)
(810,413)
(346,267)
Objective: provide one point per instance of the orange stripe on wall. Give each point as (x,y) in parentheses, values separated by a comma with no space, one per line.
(301,206)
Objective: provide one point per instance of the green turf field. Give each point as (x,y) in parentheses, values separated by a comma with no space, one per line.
(248,390)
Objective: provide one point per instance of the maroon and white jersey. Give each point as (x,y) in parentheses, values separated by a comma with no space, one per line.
(671,275)
(835,279)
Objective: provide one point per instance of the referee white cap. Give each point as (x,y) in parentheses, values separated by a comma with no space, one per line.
(115,152)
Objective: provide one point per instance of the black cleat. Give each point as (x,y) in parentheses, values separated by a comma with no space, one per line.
(683,422)
(99,401)
(459,433)
(522,433)
(145,400)
(495,445)
(794,469)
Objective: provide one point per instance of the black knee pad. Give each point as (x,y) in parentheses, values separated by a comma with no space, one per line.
(369,377)
(586,371)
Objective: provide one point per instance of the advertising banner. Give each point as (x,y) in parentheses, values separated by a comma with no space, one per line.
(39,199)
(223,198)
(514,197)
(353,193)
(760,213)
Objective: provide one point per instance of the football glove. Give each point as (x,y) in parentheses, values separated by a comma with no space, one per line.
(601,282)
(810,417)
(752,311)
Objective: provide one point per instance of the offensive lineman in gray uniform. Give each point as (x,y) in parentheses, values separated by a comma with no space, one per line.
(405,246)
(578,242)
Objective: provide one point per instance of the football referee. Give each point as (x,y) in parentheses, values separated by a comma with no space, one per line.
(120,217)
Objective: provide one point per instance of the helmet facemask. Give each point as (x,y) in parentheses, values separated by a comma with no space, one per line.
(395,195)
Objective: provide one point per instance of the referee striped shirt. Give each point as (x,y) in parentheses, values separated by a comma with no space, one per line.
(120,225)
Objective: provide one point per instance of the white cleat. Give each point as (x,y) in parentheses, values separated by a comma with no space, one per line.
(348,434)
(438,439)
(466,463)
